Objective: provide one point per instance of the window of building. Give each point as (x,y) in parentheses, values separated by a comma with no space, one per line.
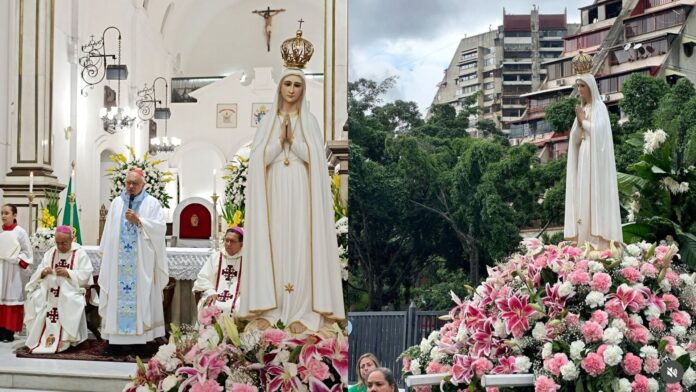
(489,74)
(654,22)
(514,47)
(489,97)
(517,54)
(648,49)
(551,44)
(489,62)
(468,56)
(585,41)
(612,10)
(613,84)
(518,33)
(553,33)
(489,86)
(593,15)
(467,66)
(465,77)
(512,112)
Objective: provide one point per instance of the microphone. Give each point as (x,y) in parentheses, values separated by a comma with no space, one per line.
(130,202)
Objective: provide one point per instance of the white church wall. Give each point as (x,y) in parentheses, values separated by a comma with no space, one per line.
(6,37)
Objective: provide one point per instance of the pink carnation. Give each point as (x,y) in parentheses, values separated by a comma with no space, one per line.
(554,363)
(578,277)
(671,301)
(274,336)
(601,282)
(318,369)
(631,274)
(648,270)
(675,387)
(638,335)
(582,265)
(593,364)
(481,366)
(572,320)
(206,316)
(672,278)
(591,331)
(600,317)
(243,388)
(615,309)
(207,386)
(652,365)
(631,364)
(640,384)
(434,367)
(545,384)
(679,318)
(655,324)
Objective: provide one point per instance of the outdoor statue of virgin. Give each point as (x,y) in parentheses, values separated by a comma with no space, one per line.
(592,200)
(292,273)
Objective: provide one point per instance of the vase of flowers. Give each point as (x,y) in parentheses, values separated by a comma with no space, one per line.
(155,179)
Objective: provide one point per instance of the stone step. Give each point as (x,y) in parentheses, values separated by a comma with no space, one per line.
(31,374)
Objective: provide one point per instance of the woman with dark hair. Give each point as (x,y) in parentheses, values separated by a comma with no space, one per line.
(366,363)
(15,255)
(381,380)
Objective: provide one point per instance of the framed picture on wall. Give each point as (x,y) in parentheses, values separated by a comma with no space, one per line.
(258,111)
(227,115)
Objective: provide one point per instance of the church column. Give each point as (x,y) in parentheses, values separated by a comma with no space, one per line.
(336,88)
(31,109)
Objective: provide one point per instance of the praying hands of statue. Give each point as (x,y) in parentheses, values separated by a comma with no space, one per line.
(285,131)
(579,114)
(132,217)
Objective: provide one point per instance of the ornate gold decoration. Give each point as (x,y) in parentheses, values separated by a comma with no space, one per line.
(289,288)
(582,63)
(296,51)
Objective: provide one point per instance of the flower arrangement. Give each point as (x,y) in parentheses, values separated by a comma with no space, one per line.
(43,238)
(341,216)
(218,357)
(233,205)
(155,179)
(579,320)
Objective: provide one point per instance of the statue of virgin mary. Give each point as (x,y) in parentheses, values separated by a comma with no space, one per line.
(292,271)
(592,212)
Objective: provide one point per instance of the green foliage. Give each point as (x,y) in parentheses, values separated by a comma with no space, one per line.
(561,114)
(434,285)
(642,94)
(658,188)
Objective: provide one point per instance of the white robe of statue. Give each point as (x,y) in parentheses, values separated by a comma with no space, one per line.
(55,306)
(152,273)
(592,199)
(220,275)
(292,272)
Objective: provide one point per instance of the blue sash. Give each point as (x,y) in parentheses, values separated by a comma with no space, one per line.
(126,313)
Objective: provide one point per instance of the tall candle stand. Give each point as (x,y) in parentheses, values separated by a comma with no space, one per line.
(72,206)
(216,246)
(31,213)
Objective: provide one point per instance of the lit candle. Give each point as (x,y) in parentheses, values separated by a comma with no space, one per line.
(72,176)
(31,182)
(214,181)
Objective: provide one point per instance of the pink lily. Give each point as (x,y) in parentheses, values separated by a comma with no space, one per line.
(516,312)
(462,370)
(337,352)
(283,378)
(506,366)
(553,302)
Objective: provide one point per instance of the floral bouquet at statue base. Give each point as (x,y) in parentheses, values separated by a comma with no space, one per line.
(578,320)
(218,357)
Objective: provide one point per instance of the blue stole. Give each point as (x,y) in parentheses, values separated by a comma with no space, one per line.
(126,312)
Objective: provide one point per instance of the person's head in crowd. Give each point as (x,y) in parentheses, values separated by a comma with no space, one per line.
(9,214)
(234,239)
(366,363)
(381,380)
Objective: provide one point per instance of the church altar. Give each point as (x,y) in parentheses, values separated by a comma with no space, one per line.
(184,263)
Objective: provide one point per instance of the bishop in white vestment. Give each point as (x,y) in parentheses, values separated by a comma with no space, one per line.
(134,270)
(218,280)
(55,305)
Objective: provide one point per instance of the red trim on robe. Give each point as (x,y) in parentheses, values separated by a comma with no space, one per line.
(23,264)
(10,227)
(12,317)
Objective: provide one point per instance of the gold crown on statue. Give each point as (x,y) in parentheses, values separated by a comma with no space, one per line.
(582,63)
(296,51)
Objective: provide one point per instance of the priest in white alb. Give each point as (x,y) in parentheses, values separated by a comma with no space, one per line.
(134,270)
(218,280)
(55,306)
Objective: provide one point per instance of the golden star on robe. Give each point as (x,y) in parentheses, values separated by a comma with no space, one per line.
(289,288)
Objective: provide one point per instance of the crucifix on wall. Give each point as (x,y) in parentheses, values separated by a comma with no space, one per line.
(268,15)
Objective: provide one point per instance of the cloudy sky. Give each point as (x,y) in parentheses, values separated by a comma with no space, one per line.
(416,39)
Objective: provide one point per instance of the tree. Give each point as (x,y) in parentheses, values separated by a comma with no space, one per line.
(561,114)
(642,94)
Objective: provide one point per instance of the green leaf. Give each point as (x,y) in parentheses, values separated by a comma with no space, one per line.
(657,170)
(218,329)
(685,361)
(661,347)
(548,276)
(636,232)
(579,385)
(687,248)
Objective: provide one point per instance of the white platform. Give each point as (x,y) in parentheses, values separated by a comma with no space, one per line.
(25,374)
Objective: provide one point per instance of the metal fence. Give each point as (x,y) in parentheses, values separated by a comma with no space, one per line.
(387,335)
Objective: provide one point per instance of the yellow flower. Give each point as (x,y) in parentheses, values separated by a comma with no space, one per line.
(237,218)
(146,156)
(131,150)
(336,180)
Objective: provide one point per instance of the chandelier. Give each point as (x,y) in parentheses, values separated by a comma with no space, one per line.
(149,108)
(95,68)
